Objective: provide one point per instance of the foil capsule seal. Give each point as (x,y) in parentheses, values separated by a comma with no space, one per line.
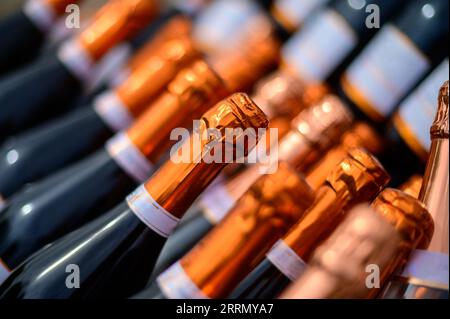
(197,84)
(115,22)
(323,123)
(440,127)
(408,216)
(360,175)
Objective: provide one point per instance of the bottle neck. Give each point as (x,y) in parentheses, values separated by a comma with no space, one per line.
(317,223)
(176,185)
(435,193)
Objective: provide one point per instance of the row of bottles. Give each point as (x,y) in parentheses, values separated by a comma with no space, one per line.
(346,91)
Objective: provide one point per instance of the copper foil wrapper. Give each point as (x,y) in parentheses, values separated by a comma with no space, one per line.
(357,179)
(59,6)
(312,132)
(361,135)
(186,98)
(435,190)
(412,186)
(240,241)
(177,184)
(283,96)
(383,236)
(338,267)
(115,22)
(320,127)
(152,76)
(440,127)
(243,66)
(178,27)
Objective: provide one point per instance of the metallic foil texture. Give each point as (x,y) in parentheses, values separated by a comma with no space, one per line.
(439,129)
(115,22)
(186,98)
(357,179)
(240,241)
(176,184)
(152,76)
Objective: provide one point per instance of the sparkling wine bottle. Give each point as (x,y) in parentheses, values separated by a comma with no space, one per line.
(249,230)
(70,138)
(127,240)
(426,274)
(326,122)
(43,88)
(380,236)
(408,131)
(76,194)
(286,260)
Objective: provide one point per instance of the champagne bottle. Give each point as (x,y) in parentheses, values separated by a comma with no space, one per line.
(426,274)
(206,272)
(287,259)
(43,88)
(65,200)
(126,241)
(380,236)
(23,32)
(408,130)
(70,138)
(326,121)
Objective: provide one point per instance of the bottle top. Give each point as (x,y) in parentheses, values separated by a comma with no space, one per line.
(279,94)
(409,217)
(383,235)
(150,78)
(321,124)
(439,129)
(313,131)
(412,186)
(186,98)
(178,27)
(261,216)
(356,179)
(242,67)
(185,180)
(116,21)
(338,267)
(358,174)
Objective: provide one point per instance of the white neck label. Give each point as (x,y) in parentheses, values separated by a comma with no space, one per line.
(176,284)
(387,69)
(4,272)
(216,203)
(77,60)
(112,111)
(40,14)
(151,213)
(286,260)
(318,49)
(428,268)
(129,157)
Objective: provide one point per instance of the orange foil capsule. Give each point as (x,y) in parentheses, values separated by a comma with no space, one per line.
(154,73)
(382,236)
(186,98)
(181,178)
(115,22)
